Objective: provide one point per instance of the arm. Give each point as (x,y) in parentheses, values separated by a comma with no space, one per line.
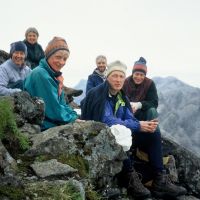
(4,81)
(90,84)
(129,121)
(45,87)
(151,99)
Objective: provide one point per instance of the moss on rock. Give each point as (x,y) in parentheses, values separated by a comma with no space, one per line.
(8,126)
(11,192)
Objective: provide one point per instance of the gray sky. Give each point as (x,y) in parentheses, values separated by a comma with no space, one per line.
(165,32)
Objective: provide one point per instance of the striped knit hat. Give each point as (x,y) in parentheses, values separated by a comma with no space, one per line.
(56,44)
(140,66)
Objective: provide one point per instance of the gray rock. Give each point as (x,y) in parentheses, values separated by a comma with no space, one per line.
(7,162)
(29,109)
(52,168)
(58,189)
(188,165)
(91,140)
(187,198)
(3,56)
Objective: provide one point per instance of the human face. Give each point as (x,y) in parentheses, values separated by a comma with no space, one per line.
(58,59)
(138,77)
(116,80)
(32,37)
(18,57)
(101,64)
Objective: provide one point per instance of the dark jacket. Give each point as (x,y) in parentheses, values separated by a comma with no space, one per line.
(94,80)
(34,55)
(101,108)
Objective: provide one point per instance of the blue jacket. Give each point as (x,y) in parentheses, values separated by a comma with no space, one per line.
(94,80)
(102,108)
(10,73)
(42,83)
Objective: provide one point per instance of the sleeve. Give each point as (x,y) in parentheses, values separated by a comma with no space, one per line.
(4,81)
(129,121)
(151,99)
(90,84)
(56,108)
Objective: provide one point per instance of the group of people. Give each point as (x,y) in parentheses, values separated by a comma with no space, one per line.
(111,98)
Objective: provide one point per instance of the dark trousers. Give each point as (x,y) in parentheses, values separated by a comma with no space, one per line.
(150,143)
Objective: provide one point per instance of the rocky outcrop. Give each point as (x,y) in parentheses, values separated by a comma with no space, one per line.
(3,56)
(74,161)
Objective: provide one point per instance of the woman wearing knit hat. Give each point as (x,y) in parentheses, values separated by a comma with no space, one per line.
(46,81)
(141,92)
(35,51)
(14,70)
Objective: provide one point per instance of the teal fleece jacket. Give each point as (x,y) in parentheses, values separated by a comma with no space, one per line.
(42,83)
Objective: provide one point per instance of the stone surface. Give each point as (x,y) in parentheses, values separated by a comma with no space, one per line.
(52,168)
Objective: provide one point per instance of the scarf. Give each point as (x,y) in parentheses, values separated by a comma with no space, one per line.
(60,87)
(101,74)
(136,92)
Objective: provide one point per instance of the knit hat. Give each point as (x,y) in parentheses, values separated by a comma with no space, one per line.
(56,44)
(116,66)
(140,66)
(18,46)
(31,29)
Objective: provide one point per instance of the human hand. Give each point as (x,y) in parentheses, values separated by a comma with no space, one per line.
(79,120)
(148,126)
(154,120)
(135,106)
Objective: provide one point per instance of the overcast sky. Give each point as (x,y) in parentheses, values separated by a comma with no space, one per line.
(165,32)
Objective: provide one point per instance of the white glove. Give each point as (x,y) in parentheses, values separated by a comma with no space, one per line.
(136,105)
(16,90)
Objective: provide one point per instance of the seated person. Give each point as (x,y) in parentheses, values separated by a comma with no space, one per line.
(141,92)
(34,50)
(46,81)
(14,71)
(113,107)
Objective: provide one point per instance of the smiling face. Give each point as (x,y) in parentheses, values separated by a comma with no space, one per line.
(101,64)
(18,57)
(58,59)
(32,37)
(138,77)
(116,81)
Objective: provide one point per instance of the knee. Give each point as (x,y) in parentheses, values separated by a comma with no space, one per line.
(152,113)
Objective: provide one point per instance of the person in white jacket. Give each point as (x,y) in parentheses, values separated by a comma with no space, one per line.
(14,70)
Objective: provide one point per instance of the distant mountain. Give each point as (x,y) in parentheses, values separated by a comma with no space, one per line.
(179,110)
(81,85)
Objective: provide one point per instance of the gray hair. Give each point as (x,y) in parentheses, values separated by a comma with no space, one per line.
(101,57)
(31,29)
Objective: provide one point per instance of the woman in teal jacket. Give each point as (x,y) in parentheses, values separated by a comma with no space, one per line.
(46,81)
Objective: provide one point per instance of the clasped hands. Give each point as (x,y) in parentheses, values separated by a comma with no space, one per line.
(149,126)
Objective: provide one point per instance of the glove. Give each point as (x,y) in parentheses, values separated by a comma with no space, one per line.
(136,105)
(16,90)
